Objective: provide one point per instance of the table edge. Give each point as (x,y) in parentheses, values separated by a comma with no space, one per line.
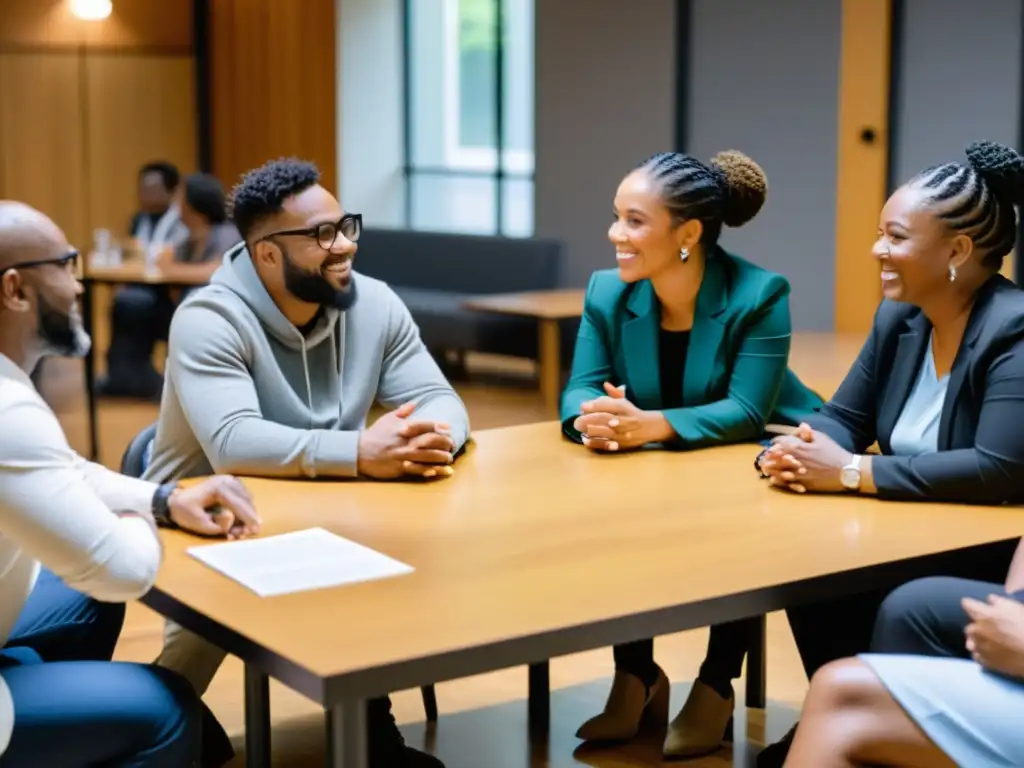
(370,682)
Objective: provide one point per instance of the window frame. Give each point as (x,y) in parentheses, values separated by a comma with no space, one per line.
(460,161)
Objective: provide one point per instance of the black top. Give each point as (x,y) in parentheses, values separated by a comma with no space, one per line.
(980,455)
(672,347)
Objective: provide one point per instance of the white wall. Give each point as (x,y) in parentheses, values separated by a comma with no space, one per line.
(369,104)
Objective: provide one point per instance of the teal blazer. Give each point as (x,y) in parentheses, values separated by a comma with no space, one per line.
(737,377)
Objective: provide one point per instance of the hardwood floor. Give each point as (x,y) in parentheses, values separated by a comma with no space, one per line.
(483,718)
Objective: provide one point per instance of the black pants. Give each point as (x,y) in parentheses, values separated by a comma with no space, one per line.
(727,648)
(836,629)
(925,617)
(141,317)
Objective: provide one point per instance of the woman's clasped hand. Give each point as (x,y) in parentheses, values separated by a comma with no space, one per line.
(613,423)
(806,460)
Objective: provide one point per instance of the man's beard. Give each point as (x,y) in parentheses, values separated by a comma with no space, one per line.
(314,288)
(62,333)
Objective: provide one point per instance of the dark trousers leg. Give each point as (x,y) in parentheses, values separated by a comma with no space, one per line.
(836,629)
(141,317)
(61,624)
(925,617)
(637,659)
(727,648)
(70,714)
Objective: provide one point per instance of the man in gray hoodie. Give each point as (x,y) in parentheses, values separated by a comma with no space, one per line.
(273,367)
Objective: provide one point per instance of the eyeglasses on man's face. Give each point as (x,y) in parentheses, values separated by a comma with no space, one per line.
(68,260)
(350,226)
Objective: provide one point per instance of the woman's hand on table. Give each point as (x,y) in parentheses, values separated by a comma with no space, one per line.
(612,423)
(805,461)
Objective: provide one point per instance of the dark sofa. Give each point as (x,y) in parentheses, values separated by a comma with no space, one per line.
(434,273)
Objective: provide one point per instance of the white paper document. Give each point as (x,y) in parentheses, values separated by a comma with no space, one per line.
(298,561)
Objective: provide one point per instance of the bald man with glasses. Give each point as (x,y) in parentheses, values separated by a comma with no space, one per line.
(76,542)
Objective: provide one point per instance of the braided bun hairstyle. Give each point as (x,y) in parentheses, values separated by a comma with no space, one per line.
(729,190)
(978,199)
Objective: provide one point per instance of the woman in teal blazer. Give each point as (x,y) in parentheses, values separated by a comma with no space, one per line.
(683,346)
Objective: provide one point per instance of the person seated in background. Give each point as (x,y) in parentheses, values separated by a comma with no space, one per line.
(143,312)
(157,225)
(684,346)
(939,383)
(272,370)
(210,232)
(942,686)
(76,541)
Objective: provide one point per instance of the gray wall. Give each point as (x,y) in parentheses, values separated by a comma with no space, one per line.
(758,86)
(605,101)
(959,80)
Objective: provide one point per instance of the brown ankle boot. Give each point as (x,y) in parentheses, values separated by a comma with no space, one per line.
(700,726)
(628,702)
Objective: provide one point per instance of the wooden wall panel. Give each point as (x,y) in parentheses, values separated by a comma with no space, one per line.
(864,79)
(139,108)
(132,23)
(273,90)
(42,152)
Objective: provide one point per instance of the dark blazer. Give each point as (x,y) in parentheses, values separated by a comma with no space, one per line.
(981,429)
(736,377)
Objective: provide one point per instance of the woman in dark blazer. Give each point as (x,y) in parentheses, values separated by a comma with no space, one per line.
(939,383)
(683,346)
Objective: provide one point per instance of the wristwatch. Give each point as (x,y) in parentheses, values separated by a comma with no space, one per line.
(757,464)
(850,474)
(161,505)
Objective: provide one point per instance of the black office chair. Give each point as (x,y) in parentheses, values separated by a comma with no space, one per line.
(133,464)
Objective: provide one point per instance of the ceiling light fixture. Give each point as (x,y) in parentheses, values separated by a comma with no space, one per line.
(91,10)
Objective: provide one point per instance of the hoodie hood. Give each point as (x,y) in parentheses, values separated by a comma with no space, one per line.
(238,275)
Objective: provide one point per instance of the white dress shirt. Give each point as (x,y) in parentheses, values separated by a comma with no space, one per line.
(57,509)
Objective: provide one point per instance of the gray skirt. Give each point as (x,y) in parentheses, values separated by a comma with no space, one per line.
(974,716)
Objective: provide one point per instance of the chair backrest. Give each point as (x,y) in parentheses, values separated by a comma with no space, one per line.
(467,264)
(136,455)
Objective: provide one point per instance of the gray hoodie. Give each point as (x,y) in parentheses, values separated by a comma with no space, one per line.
(245,393)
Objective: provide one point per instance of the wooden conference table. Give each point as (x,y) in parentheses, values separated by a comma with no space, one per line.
(537,548)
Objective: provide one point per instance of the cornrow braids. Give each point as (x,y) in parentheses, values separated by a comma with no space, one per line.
(978,199)
(729,190)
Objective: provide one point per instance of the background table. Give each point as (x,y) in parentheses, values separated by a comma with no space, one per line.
(548,307)
(537,548)
(127,273)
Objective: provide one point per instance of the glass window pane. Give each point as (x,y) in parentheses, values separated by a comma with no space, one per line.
(426,66)
(517,216)
(519,80)
(453,203)
(477,74)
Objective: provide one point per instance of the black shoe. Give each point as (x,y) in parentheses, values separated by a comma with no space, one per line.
(217,748)
(774,755)
(386,745)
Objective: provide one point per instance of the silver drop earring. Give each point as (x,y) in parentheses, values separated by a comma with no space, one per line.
(952,273)
(684,254)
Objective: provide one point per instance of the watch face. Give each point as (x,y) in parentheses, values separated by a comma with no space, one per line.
(850,477)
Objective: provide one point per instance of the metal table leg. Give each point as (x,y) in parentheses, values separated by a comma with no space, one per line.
(756,675)
(346,735)
(257,718)
(539,701)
